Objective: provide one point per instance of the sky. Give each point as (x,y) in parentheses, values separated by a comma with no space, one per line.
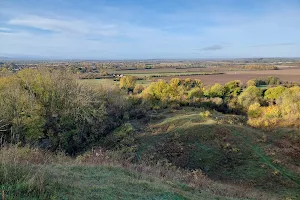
(149,29)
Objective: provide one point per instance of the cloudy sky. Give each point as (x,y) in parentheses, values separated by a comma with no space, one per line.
(146,29)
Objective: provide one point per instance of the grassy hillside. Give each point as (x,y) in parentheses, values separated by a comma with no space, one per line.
(225,149)
(102,182)
(219,157)
(30,174)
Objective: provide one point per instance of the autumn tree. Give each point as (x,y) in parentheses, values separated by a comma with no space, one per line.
(233,88)
(195,93)
(50,108)
(175,89)
(289,102)
(217,90)
(250,96)
(127,83)
(156,91)
(252,82)
(274,93)
(271,80)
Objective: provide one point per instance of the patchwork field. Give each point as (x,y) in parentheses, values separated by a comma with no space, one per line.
(223,75)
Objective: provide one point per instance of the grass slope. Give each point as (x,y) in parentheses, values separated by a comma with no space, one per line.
(116,183)
(95,182)
(223,148)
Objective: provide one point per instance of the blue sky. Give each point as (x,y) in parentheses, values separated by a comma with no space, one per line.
(148,29)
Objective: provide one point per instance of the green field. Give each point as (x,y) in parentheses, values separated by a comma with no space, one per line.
(110,82)
(95,82)
(169,74)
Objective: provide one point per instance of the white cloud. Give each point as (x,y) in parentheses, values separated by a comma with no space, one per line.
(72,26)
(4,29)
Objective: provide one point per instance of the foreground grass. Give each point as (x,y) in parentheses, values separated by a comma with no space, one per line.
(32,174)
(102,182)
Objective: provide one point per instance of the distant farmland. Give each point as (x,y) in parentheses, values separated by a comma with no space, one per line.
(285,75)
(215,75)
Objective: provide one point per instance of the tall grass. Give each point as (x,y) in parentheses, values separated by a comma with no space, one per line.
(165,171)
(33,174)
(23,174)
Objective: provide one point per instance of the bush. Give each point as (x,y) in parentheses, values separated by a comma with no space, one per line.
(272,94)
(254,110)
(252,82)
(250,96)
(117,137)
(205,114)
(233,88)
(138,89)
(289,102)
(195,93)
(217,90)
(127,83)
(49,107)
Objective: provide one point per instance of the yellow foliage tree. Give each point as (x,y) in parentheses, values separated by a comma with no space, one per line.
(127,82)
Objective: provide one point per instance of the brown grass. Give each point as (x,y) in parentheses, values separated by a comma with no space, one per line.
(167,172)
(98,157)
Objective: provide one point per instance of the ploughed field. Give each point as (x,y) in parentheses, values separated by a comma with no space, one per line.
(285,74)
(245,76)
(208,76)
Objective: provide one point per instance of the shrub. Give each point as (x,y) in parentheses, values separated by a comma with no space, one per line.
(250,96)
(217,90)
(205,114)
(271,80)
(252,82)
(233,88)
(272,112)
(289,102)
(218,101)
(114,140)
(127,83)
(195,93)
(254,110)
(274,93)
(138,89)
(49,107)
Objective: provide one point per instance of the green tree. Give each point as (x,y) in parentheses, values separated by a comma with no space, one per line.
(195,93)
(217,90)
(271,80)
(252,82)
(250,96)
(289,102)
(233,88)
(274,93)
(156,91)
(175,90)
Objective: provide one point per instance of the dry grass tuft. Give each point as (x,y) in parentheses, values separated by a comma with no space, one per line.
(30,178)
(165,171)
